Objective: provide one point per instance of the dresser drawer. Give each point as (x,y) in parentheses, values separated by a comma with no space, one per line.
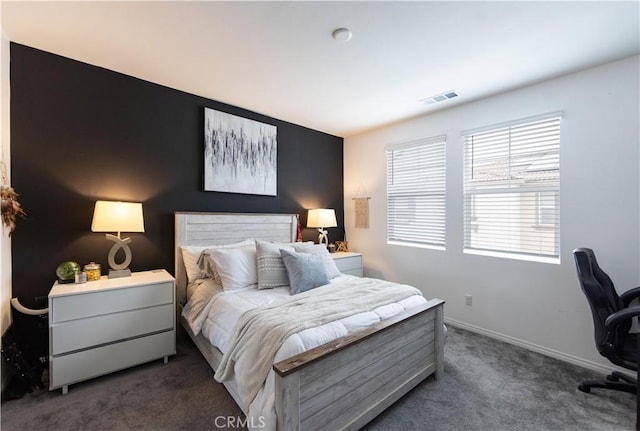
(82,365)
(90,304)
(94,331)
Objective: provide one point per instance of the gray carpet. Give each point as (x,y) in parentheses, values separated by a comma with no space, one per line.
(491,385)
(488,386)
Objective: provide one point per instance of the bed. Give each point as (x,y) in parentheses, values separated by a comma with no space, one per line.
(341,384)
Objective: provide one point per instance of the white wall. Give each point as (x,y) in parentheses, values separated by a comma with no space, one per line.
(533,304)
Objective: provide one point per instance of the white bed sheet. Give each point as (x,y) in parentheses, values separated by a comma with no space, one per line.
(217,318)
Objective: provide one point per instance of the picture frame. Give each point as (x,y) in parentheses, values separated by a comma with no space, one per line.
(240,155)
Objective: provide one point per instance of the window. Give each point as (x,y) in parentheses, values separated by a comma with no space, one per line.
(546,209)
(512,190)
(416,193)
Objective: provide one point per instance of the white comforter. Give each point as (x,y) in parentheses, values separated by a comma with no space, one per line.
(215,312)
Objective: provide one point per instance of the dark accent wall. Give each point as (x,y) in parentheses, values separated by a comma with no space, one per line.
(81,133)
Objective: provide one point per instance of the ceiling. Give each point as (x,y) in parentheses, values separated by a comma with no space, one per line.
(279,59)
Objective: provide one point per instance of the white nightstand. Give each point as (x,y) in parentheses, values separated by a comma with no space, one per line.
(348,262)
(107,325)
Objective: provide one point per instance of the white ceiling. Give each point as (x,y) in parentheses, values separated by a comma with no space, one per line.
(278,58)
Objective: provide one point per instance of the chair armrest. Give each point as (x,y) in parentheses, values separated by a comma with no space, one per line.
(630,295)
(618,317)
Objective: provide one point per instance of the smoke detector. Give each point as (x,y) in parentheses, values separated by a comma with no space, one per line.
(439,97)
(342,34)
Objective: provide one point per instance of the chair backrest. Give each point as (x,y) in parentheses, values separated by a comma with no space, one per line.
(601,295)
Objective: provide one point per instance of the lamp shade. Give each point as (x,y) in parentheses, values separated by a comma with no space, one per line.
(111,216)
(322,217)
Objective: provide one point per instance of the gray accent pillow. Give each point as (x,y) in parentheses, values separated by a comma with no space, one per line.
(321,250)
(271,270)
(306,271)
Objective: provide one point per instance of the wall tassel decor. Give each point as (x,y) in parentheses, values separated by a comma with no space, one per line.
(362,209)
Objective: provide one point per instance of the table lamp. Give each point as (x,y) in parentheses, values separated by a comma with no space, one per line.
(118,217)
(322,218)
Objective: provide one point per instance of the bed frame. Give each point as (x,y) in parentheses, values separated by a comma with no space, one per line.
(339,385)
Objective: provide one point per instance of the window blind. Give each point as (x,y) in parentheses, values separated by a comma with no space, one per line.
(416,193)
(512,189)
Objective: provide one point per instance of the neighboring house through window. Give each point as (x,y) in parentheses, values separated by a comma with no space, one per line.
(416,193)
(512,189)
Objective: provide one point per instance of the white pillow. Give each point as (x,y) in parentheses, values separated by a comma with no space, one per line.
(236,266)
(321,249)
(208,266)
(191,257)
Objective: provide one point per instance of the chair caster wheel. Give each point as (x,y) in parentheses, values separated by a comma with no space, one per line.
(585,389)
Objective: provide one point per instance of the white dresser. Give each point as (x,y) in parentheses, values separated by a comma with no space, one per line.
(106,325)
(348,262)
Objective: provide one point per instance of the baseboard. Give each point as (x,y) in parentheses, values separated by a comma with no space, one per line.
(594,366)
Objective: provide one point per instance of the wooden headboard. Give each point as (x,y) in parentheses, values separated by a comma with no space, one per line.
(197,228)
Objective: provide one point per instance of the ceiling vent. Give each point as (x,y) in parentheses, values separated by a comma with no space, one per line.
(439,97)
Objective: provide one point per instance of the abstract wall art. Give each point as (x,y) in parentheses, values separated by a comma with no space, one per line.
(240,155)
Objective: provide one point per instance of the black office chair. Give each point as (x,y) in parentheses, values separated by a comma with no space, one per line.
(611,321)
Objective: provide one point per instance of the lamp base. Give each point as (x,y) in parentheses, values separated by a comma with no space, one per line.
(323,238)
(118,273)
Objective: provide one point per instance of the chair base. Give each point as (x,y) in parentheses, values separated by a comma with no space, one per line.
(616,381)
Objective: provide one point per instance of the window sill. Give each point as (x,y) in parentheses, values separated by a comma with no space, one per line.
(505,255)
(416,245)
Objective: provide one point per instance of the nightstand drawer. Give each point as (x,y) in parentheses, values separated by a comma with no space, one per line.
(92,304)
(94,331)
(356,272)
(80,366)
(349,263)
